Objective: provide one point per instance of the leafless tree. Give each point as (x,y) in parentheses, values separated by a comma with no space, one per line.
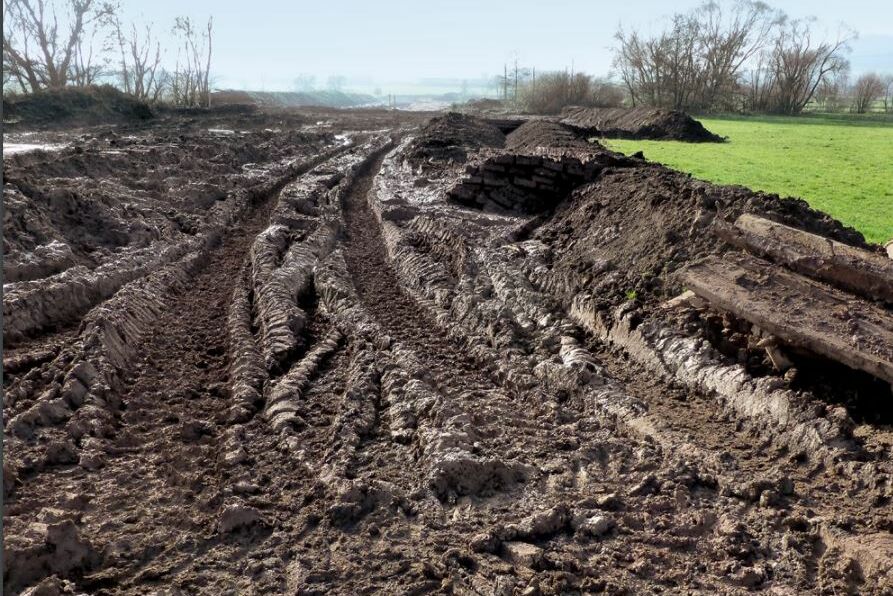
(831,94)
(549,92)
(49,43)
(866,90)
(139,63)
(696,63)
(888,92)
(606,94)
(799,64)
(190,82)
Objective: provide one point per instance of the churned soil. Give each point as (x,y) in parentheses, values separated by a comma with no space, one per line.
(298,365)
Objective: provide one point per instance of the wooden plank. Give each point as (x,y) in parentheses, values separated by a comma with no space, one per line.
(860,271)
(799,311)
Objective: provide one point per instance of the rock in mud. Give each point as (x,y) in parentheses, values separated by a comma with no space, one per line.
(523,554)
(597,525)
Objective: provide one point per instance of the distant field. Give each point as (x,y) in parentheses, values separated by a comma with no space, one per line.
(841,165)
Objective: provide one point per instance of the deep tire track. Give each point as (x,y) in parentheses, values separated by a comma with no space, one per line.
(380,291)
(158,471)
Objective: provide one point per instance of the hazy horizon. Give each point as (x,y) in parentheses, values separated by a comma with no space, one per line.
(392,48)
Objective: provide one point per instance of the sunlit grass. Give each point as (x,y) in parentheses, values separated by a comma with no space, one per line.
(843,166)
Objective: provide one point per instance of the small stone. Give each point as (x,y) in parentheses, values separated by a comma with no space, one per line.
(545,523)
(235,457)
(50,586)
(244,487)
(769,498)
(597,525)
(609,502)
(523,554)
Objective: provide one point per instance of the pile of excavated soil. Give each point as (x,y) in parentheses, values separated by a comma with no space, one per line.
(639,123)
(544,133)
(74,106)
(630,230)
(451,137)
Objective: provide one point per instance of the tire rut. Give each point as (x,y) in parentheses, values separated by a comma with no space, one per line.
(400,316)
(156,489)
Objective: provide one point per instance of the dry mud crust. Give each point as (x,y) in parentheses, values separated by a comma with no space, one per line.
(639,123)
(451,137)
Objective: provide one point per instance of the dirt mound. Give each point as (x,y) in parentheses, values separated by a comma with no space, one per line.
(484,104)
(74,106)
(639,123)
(544,133)
(629,231)
(451,137)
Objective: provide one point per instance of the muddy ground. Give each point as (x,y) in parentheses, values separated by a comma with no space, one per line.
(347,352)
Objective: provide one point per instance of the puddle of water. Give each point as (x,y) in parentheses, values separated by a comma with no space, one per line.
(224,132)
(14,148)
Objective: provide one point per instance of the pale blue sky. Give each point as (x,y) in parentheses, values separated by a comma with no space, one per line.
(269,42)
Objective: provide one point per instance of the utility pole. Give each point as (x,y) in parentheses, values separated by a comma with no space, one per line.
(505,82)
(516,80)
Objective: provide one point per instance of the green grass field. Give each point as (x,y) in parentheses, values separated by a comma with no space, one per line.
(841,165)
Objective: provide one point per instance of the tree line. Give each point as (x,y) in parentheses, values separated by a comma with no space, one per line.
(51,44)
(736,56)
(744,56)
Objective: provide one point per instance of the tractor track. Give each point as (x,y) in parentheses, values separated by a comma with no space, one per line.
(377,383)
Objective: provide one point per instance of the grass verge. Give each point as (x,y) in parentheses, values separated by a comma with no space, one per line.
(842,166)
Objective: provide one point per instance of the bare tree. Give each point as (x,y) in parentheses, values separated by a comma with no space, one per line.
(190,82)
(866,90)
(799,64)
(696,63)
(139,63)
(336,82)
(831,94)
(49,43)
(888,92)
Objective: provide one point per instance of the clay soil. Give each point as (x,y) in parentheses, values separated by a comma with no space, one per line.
(256,352)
